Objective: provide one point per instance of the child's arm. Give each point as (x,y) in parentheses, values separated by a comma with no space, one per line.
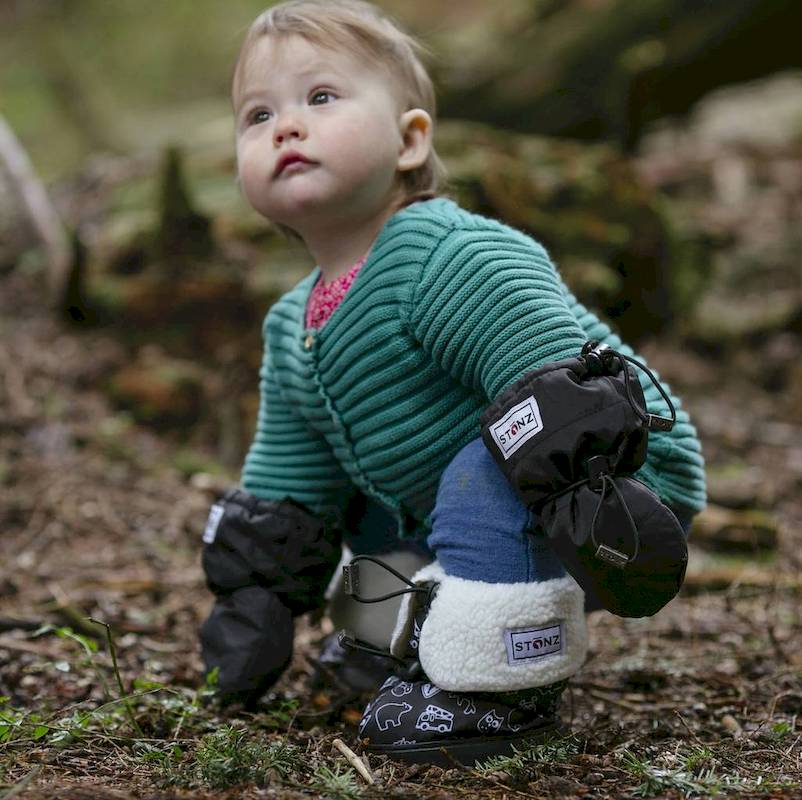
(490,307)
(675,466)
(271,550)
(287,459)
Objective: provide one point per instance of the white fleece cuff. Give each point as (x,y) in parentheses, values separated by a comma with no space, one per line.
(405,620)
(495,637)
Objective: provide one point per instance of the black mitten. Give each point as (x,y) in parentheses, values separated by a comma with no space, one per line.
(266,562)
(567,436)
(248,638)
(544,428)
(620,543)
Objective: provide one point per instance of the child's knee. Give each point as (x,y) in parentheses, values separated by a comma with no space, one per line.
(472,464)
(472,484)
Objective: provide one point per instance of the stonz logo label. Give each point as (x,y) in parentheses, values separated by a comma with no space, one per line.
(525,644)
(517,426)
(215,515)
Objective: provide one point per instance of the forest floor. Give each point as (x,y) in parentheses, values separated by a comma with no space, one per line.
(100,520)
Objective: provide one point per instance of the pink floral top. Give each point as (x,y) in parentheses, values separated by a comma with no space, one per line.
(325,297)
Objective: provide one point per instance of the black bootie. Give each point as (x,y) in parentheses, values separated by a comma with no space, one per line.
(480,668)
(416,721)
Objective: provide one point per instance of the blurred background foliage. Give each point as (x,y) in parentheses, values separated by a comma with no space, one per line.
(77,76)
(655,147)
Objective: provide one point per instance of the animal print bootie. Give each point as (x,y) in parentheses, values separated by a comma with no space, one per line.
(417,721)
(481,668)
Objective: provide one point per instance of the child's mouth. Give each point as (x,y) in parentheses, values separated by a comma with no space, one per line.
(290,163)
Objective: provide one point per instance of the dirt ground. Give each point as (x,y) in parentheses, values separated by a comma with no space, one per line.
(99,520)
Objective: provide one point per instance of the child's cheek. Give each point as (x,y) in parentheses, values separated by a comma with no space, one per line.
(249,163)
(250,179)
(353,127)
(256,196)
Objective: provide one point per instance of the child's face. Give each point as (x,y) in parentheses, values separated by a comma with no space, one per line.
(318,134)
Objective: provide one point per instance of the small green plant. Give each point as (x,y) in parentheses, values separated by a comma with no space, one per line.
(165,757)
(280,714)
(697,759)
(655,782)
(88,645)
(781,729)
(524,763)
(337,783)
(166,712)
(284,758)
(69,728)
(227,757)
(88,648)
(126,703)
(16,724)
(224,759)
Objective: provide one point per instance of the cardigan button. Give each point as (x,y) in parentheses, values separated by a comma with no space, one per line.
(309,342)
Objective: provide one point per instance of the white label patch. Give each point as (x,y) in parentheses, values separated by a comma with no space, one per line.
(215,515)
(518,426)
(524,644)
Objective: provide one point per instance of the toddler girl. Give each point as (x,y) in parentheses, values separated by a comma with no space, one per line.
(377,368)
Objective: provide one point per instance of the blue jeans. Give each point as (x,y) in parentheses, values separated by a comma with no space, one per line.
(480,528)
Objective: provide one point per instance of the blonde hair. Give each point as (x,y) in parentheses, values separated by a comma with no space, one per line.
(363,29)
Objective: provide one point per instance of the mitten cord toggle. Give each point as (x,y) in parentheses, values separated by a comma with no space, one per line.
(603,551)
(599,360)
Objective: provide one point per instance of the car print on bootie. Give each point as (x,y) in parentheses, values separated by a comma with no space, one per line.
(418,721)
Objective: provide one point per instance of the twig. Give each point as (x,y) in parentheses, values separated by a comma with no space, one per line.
(788,751)
(687,727)
(777,698)
(625,704)
(123,696)
(19,787)
(180,725)
(354,760)
(454,763)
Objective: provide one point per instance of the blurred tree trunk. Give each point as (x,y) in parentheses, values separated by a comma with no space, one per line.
(26,192)
(605,70)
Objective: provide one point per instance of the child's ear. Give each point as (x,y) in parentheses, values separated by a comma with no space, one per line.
(416,139)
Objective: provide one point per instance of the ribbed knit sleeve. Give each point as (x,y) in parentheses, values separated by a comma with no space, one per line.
(490,307)
(675,468)
(287,459)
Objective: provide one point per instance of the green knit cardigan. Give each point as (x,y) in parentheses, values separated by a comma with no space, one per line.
(448,310)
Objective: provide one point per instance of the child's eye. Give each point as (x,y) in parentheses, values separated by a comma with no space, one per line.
(259,116)
(321,97)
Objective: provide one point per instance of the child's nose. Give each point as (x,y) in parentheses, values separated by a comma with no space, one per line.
(288,126)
